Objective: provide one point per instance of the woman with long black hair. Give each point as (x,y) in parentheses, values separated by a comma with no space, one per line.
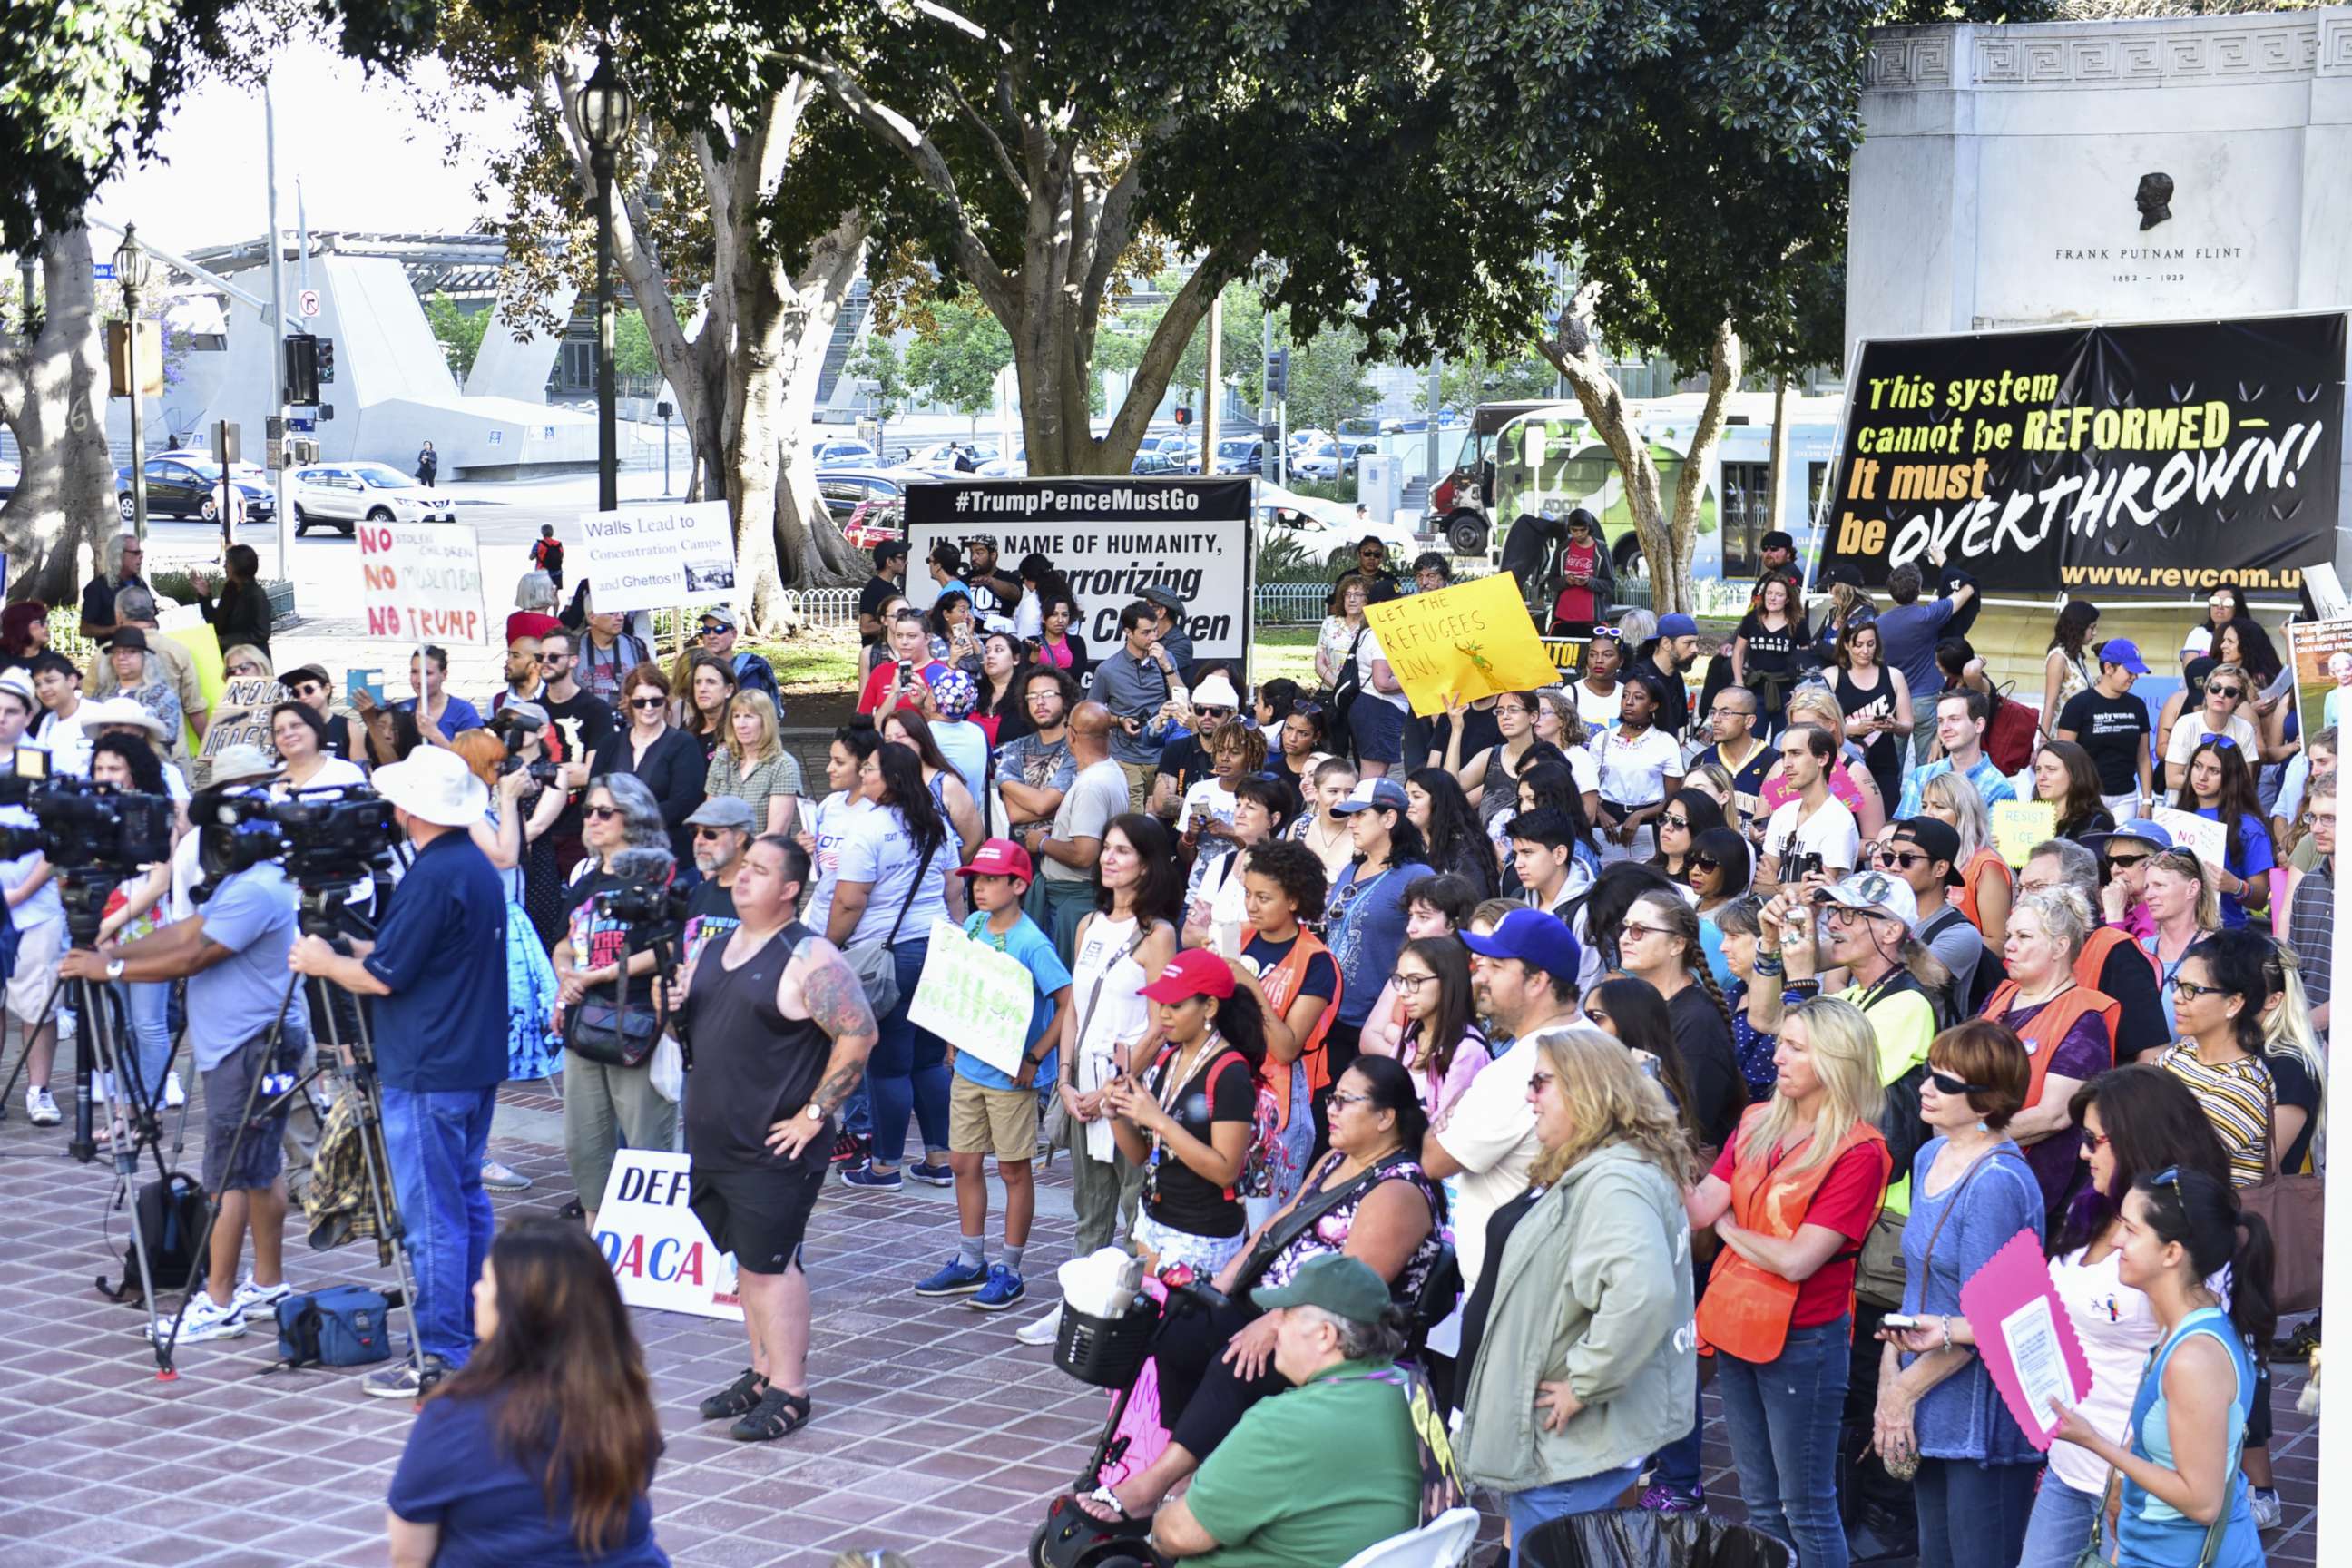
(2071,661)
(1443,1045)
(890,886)
(2184,1502)
(2219,787)
(1365,915)
(1686,816)
(1658,942)
(1457,841)
(542,1449)
(1635,1013)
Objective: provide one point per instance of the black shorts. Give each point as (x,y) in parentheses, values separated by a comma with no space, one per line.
(260,1152)
(761,1215)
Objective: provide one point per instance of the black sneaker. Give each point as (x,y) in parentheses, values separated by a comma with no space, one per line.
(735,1399)
(848,1149)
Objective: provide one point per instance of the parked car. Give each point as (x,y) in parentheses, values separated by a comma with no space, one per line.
(1015,467)
(1327,529)
(844,452)
(1241,454)
(189,486)
(344,495)
(939,457)
(869,505)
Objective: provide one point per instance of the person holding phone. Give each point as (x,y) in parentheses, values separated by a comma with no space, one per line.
(1134,682)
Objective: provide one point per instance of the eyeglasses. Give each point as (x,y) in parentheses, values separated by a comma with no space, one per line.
(1215,712)
(1407,984)
(553,658)
(1635,928)
(2188,990)
(2227,693)
(1337,1099)
(1537,1081)
(1948,1084)
(1706,863)
(2098,1140)
(702,833)
(601,812)
(1681,822)
(648,701)
(245,670)
(2126,862)
(708,630)
(1905,859)
(1606,634)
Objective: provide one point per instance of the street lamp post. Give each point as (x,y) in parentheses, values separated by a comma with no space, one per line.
(606,113)
(131,264)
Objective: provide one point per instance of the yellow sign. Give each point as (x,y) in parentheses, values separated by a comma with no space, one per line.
(1471,640)
(2019,825)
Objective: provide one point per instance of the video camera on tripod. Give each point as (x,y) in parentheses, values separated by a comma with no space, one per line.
(330,838)
(88,832)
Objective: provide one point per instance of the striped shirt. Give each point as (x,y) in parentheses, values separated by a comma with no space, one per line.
(2236,1098)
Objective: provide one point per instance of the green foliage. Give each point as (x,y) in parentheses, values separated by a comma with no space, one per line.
(633,346)
(1281,558)
(459,332)
(1466,381)
(955,360)
(1327,378)
(877,360)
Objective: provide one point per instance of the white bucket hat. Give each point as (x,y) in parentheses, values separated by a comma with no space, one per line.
(435,785)
(239,764)
(127,712)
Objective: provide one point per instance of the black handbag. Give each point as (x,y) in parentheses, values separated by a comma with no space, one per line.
(615,1037)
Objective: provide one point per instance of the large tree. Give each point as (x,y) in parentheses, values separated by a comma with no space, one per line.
(1041,152)
(53,386)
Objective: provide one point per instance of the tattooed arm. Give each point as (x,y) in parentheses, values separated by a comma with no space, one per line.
(817,984)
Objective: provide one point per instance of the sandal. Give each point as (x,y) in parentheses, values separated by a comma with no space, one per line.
(1118,1517)
(737,1398)
(777,1414)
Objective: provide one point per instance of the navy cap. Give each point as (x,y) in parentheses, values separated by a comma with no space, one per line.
(1677,626)
(1537,938)
(1386,794)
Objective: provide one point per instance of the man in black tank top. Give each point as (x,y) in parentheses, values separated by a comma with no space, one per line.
(777,1028)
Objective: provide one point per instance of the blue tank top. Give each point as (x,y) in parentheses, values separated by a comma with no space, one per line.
(2151,1532)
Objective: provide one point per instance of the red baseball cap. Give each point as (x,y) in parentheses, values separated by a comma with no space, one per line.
(1000,858)
(1195,972)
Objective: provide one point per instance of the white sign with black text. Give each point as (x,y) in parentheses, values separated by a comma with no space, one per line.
(652,555)
(661,1255)
(1111,538)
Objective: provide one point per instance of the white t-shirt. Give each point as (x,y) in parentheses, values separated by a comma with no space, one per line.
(835,818)
(1597,713)
(1491,1133)
(1635,768)
(1829,832)
(1366,652)
(1209,797)
(1582,768)
(2190,731)
(69,748)
(1028,620)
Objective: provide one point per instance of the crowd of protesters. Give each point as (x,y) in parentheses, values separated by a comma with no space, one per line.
(1696,1017)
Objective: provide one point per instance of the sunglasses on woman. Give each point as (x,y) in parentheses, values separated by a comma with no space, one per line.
(601,812)
(648,701)
(1681,822)
(1706,863)
(1948,1084)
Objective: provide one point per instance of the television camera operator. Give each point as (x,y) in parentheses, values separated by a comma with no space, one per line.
(436,972)
(232,953)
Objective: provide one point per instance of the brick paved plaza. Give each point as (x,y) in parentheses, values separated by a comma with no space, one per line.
(935,1433)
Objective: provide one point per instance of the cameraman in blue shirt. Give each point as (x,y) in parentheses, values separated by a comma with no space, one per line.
(438,974)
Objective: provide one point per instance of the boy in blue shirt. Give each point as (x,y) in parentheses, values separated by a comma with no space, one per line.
(990,1110)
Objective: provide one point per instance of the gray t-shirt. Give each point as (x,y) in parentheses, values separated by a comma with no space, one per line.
(1093,798)
(252,914)
(1131,689)
(877,849)
(1958,946)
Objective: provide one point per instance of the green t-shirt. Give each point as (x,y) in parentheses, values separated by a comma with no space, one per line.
(1313,1475)
(1904,1022)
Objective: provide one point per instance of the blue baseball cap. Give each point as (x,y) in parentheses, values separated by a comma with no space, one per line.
(2122,653)
(1677,626)
(2139,827)
(1386,794)
(1537,938)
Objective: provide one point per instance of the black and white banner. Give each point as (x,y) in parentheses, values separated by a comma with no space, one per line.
(1112,538)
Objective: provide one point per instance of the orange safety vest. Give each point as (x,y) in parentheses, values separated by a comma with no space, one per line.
(1281,987)
(1747,1308)
(2094,960)
(2048,1030)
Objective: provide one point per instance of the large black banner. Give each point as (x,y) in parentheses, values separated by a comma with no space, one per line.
(2096,461)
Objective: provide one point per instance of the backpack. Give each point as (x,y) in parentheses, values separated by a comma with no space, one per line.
(342,1325)
(1267,1169)
(172,1220)
(548,553)
(1347,688)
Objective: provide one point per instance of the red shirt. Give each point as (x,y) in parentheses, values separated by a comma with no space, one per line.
(1847,1202)
(1577,603)
(879,682)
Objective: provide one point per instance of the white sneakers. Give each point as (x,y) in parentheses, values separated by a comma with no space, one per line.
(207,1319)
(1042,1329)
(175,1096)
(40,1109)
(250,1297)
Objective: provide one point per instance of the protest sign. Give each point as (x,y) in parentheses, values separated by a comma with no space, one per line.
(2019,825)
(241,716)
(660,1254)
(2207,839)
(1468,641)
(422,582)
(2111,460)
(1111,538)
(974,996)
(651,556)
(1567,655)
(2322,651)
(2026,1337)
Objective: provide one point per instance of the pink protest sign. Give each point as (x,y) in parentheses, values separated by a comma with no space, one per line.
(2028,1342)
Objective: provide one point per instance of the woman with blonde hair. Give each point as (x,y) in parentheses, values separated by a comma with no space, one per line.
(752,766)
(1791,1199)
(1986,893)
(2186,908)
(1586,1306)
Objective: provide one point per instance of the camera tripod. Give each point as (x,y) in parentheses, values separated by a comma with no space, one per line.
(322,916)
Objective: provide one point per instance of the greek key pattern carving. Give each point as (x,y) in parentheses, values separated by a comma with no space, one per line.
(2216,50)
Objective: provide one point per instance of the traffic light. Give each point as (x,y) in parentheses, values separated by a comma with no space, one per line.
(1183,415)
(302,369)
(326,362)
(1277,375)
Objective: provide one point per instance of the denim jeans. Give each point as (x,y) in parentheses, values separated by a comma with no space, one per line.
(2060,1526)
(1678,1465)
(1541,1505)
(1782,1419)
(147,1006)
(1971,1513)
(907,1070)
(434,1140)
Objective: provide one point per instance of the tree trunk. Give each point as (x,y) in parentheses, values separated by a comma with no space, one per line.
(53,392)
(1774,510)
(1667,545)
